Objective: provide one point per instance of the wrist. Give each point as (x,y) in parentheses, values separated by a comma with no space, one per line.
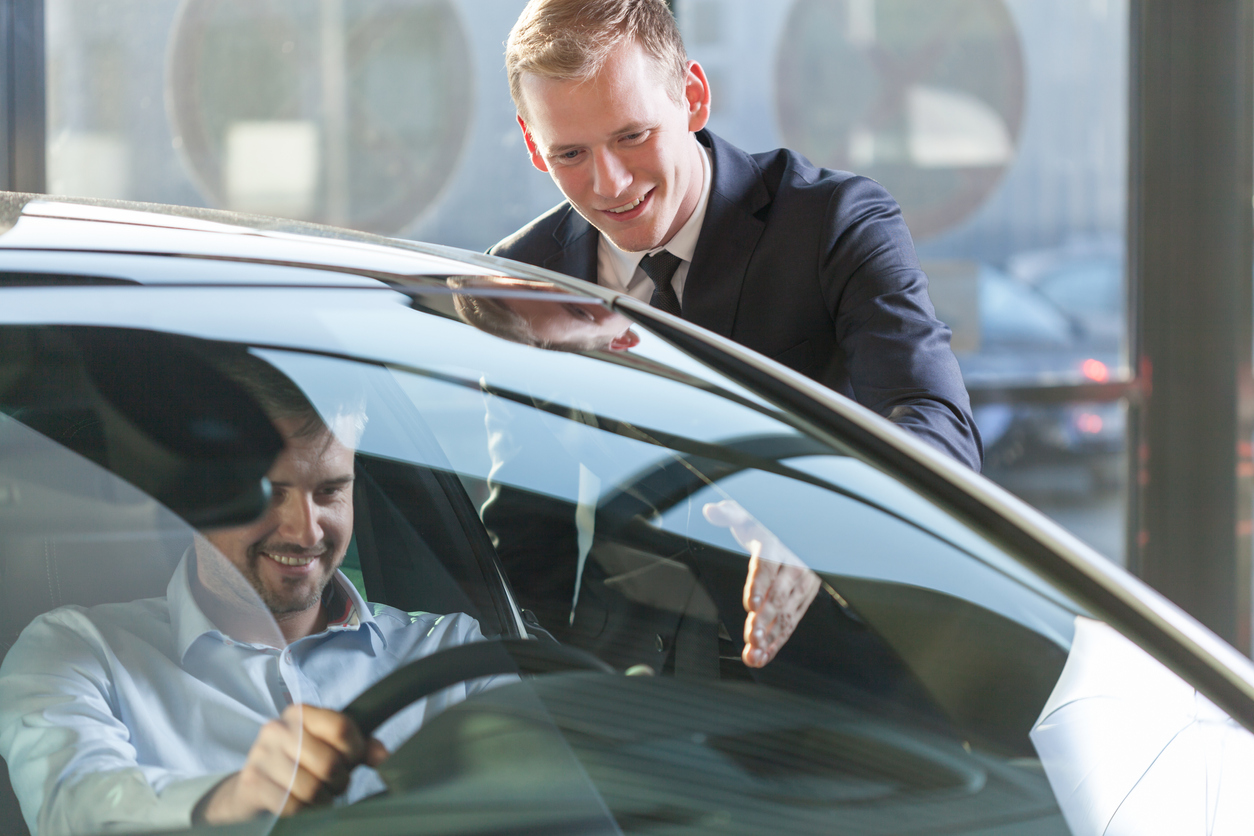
(214,806)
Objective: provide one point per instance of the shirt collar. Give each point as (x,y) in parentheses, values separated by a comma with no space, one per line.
(190,622)
(682,244)
(186,617)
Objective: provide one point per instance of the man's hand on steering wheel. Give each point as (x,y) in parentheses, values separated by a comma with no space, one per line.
(303,759)
(779,587)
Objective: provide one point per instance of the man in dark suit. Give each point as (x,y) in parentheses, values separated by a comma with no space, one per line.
(812,267)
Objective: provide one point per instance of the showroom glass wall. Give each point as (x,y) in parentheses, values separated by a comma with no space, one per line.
(1000,125)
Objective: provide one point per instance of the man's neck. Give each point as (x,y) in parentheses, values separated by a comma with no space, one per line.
(316,619)
(298,625)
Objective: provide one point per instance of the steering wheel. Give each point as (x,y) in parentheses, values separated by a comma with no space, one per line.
(429,674)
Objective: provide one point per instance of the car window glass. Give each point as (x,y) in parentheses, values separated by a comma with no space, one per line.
(845,536)
(375,324)
(591,485)
(948,626)
(60,506)
(86,558)
(881,490)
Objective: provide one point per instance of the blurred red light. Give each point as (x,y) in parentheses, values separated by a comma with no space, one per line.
(1095,370)
(1087,422)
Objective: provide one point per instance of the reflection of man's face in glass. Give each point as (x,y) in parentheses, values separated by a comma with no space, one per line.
(575,323)
(290,554)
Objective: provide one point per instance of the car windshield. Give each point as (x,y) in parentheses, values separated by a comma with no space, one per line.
(524,462)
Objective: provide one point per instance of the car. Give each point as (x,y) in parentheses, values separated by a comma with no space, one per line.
(965,665)
(1084,278)
(1027,338)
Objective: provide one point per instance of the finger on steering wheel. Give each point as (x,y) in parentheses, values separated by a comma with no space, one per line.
(322,764)
(273,775)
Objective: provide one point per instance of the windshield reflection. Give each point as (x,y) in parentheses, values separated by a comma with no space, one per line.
(540,314)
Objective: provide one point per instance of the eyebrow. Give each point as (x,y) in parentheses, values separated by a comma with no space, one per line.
(338,480)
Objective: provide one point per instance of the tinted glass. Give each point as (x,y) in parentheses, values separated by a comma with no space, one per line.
(627,492)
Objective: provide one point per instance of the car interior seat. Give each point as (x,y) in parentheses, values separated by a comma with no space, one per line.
(422,546)
(71,533)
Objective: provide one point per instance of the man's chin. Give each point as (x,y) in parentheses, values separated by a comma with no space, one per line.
(289,602)
(632,241)
(633,237)
(282,609)
(287,596)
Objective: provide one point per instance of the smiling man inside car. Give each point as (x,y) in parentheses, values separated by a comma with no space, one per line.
(222,700)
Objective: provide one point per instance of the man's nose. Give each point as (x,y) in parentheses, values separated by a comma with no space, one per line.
(298,520)
(610,177)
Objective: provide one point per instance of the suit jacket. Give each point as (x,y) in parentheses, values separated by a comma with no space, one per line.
(814,268)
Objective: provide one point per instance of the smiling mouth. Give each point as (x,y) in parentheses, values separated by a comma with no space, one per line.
(627,207)
(289,560)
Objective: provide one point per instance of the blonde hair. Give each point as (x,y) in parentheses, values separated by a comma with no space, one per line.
(493,316)
(488,313)
(572,39)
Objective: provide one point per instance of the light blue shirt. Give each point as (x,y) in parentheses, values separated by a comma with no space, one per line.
(122,716)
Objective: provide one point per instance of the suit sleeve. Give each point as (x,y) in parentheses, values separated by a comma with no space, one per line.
(897,352)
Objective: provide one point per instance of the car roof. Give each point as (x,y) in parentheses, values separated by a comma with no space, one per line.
(68,227)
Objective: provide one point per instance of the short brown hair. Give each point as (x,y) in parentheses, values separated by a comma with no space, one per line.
(571,40)
(281,399)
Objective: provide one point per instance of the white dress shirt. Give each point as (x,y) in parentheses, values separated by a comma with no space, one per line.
(620,270)
(122,716)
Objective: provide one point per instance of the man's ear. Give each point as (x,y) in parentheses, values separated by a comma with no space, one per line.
(697,97)
(627,339)
(537,159)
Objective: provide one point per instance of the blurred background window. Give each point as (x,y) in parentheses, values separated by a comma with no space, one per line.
(1000,126)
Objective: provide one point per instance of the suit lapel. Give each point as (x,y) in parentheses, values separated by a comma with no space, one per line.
(576,240)
(728,237)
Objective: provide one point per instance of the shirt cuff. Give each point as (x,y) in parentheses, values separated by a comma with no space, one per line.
(176,800)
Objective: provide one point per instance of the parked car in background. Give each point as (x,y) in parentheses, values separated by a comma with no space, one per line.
(1084,279)
(966,667)
(1027,338)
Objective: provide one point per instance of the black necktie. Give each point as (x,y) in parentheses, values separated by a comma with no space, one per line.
(660,267)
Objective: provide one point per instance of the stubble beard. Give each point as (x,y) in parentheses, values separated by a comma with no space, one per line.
(297,599)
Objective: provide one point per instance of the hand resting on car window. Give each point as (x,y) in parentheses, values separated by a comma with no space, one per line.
(778,589)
